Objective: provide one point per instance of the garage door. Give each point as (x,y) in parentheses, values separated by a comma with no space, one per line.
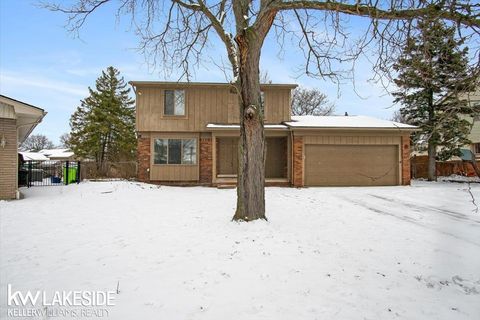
(351,165)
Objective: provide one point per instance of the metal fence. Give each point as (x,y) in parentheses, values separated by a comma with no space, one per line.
(48,173)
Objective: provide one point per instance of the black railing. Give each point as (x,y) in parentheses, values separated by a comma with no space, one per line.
(48,173)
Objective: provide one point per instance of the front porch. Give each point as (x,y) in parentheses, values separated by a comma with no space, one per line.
(225,157)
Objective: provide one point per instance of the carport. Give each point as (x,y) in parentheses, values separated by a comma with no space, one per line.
(17,121)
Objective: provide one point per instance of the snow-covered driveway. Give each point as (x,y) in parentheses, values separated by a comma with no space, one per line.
(326,253)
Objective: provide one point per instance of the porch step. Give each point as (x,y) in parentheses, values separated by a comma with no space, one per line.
(226,186)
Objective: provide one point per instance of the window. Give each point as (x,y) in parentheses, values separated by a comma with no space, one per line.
(189,151)
(477,107)
(160,151)
(175,151)
(476,148)
(174,104)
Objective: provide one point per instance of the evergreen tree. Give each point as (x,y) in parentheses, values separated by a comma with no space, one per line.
(103,126)
(432,72)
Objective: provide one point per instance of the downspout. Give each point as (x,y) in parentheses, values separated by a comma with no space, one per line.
(292,162)
(136,115)
(133,87)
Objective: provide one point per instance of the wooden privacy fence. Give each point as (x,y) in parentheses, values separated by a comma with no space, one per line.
(109,170)
(419,167)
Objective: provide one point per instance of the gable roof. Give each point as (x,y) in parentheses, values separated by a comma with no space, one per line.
(33,156)
(18,101)
(57,153)
(27,116)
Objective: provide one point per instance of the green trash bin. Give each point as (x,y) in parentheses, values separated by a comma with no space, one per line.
(72,174)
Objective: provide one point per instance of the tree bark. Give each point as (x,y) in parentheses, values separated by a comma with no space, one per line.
(432,145)
(251,153)
(432,168)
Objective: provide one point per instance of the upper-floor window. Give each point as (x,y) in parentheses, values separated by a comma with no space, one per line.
(476,148)
(174,104)
(476,107)
(175,151)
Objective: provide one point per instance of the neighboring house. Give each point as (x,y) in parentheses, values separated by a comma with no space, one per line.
(474,136)
(58,154)
(17,120)
(188,134)
(32,156)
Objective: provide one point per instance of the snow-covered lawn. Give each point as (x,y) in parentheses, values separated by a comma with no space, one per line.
(325,253)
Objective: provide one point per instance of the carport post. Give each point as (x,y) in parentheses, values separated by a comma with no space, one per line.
(29,177)
(66,173)
(78,172)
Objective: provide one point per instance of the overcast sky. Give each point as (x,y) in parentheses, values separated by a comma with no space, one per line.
(42,64)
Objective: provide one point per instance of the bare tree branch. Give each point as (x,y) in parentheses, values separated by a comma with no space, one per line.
(461,12)
(311,102)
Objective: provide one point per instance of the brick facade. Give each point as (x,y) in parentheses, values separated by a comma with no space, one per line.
(206,160)
(8,159)
(405,150)
(297,172)
(143,157)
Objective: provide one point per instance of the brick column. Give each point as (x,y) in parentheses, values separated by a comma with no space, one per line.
(297,176)
(143,157)
(405,160)
(206,160)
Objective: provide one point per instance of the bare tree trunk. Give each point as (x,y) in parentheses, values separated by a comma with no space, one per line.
(102,155)
(251,171)
(432,145)
(432,168)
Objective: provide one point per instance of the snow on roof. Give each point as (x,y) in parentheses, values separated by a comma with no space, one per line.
(236,126)
(48,151)
(361,122)
(33,156)
(344,122)
(57,153)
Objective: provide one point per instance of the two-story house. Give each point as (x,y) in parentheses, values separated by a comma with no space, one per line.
(188,134)
(474,135)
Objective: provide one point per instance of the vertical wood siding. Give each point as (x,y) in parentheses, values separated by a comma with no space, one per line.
(341,139)
(203,105)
